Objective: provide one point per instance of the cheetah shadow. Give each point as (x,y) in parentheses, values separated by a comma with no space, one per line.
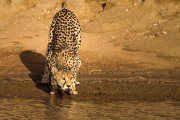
(34,62)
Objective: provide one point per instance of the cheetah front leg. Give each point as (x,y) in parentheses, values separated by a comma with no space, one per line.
(75,79)
(73,90)
(75,82)
(76,69)
(54,87)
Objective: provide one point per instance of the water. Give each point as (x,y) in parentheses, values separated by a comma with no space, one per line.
(24,109)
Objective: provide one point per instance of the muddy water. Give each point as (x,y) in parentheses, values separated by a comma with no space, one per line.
(17,109)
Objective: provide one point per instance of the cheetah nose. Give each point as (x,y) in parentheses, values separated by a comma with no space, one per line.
(68,86)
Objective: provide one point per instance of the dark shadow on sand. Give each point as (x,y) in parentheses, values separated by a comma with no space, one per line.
(35,63)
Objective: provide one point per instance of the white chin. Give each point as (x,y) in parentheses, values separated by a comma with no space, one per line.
(65,88)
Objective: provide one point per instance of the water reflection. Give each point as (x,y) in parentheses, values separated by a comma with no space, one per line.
(65,109)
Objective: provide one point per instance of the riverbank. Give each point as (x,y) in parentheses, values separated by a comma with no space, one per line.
(151,85)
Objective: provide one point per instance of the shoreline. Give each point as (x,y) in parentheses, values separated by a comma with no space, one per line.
(143,86)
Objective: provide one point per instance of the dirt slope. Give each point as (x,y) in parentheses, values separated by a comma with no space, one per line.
(117,36)
(143,33)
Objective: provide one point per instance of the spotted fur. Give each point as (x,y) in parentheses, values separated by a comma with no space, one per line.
(62,53)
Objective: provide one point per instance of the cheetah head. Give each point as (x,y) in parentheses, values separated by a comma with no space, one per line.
(65,80)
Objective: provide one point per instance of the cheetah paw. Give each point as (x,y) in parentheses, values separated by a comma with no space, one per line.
(73,92)
(77,83)
(52,94)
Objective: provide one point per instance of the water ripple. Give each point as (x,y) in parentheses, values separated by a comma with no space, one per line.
(28,109)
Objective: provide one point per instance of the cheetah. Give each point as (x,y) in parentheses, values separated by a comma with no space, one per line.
(62,55)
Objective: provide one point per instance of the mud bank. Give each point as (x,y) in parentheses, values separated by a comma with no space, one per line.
(140,86)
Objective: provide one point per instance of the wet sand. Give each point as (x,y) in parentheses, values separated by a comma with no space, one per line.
(141,86)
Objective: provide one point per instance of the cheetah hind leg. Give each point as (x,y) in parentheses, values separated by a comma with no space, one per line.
(45,78)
